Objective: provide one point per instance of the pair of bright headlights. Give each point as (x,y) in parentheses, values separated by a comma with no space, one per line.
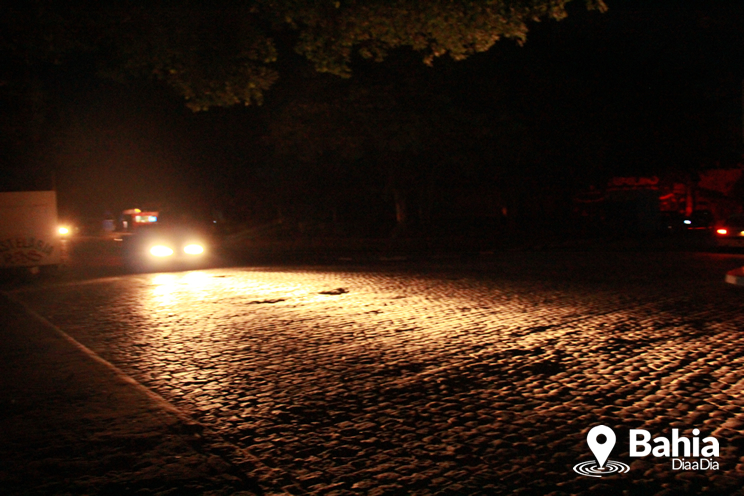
(166,251)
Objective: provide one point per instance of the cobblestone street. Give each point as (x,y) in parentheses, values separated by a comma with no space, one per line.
(479,377)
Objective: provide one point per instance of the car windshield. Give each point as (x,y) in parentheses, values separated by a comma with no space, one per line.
(169,231)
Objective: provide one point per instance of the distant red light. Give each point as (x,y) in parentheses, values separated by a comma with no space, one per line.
(722,232)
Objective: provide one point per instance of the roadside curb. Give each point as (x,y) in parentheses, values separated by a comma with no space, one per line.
(159,401)
(69,407)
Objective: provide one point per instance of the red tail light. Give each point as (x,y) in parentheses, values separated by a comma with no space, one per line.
(722,231)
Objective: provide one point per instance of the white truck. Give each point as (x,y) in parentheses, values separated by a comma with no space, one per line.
(28,229)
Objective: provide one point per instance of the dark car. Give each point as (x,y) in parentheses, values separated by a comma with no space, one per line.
(166,247)
(675,222)
(699,220)
(730,234)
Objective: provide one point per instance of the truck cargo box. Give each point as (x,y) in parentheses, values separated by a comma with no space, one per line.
(28,229)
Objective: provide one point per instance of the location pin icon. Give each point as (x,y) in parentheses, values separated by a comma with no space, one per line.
(601,450)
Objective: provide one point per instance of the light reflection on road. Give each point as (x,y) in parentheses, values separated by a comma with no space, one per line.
(424,370)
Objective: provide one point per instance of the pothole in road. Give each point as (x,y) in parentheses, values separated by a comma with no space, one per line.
(269,300)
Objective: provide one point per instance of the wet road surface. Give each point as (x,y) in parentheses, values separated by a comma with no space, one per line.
(480,377)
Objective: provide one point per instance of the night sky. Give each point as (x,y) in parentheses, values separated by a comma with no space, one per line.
(647,88)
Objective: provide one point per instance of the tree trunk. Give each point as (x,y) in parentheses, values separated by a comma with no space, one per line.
(401,208)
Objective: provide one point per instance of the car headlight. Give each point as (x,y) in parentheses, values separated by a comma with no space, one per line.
(161,251)
(193,249)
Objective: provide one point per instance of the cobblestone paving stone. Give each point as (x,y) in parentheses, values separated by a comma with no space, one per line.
(481,379)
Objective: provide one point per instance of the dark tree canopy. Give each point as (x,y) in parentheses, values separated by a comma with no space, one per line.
(224,53)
